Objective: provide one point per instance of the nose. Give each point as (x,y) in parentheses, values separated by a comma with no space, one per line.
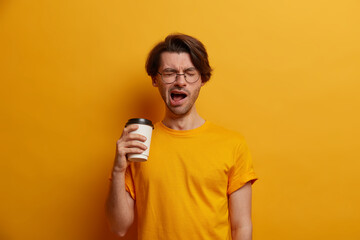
(180,80)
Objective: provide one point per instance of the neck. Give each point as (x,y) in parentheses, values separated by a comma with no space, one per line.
(188,121)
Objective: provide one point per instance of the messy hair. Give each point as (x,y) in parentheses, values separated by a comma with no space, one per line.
(180,43)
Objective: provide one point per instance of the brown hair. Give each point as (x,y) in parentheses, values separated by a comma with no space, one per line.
(180,43)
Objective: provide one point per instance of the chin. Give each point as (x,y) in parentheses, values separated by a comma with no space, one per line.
(182,111)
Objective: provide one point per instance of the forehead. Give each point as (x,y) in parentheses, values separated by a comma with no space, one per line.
(175,60)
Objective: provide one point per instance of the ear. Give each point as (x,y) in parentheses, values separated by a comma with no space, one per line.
(202,83)
(154,81)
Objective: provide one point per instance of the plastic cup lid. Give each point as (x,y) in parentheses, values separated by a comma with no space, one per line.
(143,121)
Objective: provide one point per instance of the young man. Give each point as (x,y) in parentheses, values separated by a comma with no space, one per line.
(197,181)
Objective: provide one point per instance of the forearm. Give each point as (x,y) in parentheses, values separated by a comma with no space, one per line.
(119,209)
(242,233)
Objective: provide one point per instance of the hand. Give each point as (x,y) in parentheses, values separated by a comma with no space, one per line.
(127,144)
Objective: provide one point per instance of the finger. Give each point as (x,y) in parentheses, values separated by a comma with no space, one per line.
(130,149)
(135,136)
(130,128)
(132,144)
(133,150)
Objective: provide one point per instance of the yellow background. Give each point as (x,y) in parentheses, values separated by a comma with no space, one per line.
(286,76)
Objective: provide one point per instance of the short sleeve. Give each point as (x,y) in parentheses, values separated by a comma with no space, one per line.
(129,183)
(242,170)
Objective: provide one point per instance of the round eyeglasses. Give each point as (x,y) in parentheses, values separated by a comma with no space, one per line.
(190,76)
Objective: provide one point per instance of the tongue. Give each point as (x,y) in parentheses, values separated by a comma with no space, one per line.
(178,97)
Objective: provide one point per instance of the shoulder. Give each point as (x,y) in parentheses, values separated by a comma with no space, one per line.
(225,133)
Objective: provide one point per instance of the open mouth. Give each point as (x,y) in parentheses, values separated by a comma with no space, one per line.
(178,96)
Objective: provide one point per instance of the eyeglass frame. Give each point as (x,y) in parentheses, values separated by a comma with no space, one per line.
(179,74)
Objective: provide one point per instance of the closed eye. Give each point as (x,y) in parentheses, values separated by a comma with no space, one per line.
(190,72)
(169,74)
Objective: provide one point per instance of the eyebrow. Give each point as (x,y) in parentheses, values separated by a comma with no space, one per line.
(174,70)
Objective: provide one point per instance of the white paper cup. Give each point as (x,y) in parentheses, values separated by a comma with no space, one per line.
(145,129)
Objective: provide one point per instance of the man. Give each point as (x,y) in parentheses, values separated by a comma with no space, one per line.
(197,181)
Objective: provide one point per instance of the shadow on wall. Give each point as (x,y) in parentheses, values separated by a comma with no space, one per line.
(3,5)
(143,101)
(140,100)
(3,236)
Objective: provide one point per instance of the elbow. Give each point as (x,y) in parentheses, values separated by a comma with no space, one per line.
(242,232)
(121,233)
(119,223)
(119,230)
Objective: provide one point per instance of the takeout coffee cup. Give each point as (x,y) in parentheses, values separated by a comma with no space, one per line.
(145,129)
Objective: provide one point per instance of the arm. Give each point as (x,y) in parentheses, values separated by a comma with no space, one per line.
(240,213)
(119,204)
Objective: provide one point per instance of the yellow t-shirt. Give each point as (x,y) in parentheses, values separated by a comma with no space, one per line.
(182,191)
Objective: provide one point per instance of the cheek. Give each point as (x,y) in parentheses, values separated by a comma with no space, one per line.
(163,92)
(196,92)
